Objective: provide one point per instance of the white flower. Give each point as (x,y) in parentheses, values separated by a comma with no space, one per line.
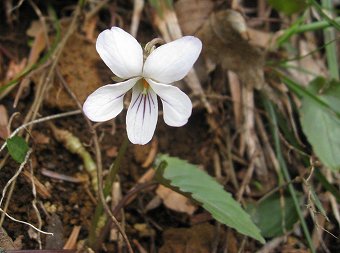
(166,64)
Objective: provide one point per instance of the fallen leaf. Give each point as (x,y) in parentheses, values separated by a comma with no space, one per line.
(225,39)
(175,201)
(112,151)
(72,240)
(14,68)
(192,14)
(4,130)
(40,138)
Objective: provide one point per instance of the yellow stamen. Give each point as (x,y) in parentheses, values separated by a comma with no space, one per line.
(145,84)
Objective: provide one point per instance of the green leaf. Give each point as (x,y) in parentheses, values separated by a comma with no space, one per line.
(17,148)
(271,218)
(187,179)
(321,124)
(288,6)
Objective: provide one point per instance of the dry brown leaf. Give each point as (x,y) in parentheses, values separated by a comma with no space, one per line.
(41,189)
(38,46)
(34,29)
(40,138)
(112,151)
(263,39)
(192,14)
(224,39)
(170,29)
(72,240)
(4,129)
(14,68)
(175,201)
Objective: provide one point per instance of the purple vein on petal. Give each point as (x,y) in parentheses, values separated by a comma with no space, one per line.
(136,100)
(149,95)
(144,105)
(153,102)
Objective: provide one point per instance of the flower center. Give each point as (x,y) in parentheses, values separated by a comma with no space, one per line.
(145,86)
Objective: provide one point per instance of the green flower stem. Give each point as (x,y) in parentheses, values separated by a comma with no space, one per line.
(99,219)
(114,168)
(315,26)
(286,174)
(331,49)
(324,15)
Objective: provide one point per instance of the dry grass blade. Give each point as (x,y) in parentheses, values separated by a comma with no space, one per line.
(138,6)
(41,189)
(72,240)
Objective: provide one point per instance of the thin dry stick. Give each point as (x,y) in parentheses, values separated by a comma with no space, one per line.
(95,9)
(24,222)
(55,116)
(138,6)
(34,203)
(99,163)
(246,180)
(254,148)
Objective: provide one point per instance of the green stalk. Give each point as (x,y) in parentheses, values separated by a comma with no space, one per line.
(315,26)
(302,92)
(99,219)
(286,174)
(298,27)
(331,49)
(324,15)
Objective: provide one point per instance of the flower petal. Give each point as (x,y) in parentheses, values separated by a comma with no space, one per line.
(142,115)
(121,52)
(172,61)
(106,102)
(177,106)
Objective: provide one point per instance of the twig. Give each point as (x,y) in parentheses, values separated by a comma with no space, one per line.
(138,6)
(34,204)
(47,118)
(246,179)
(24,222)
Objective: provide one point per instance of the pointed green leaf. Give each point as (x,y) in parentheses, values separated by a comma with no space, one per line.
(273,216)
(288,6)
(17,148)
(189,180)
(321,124)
